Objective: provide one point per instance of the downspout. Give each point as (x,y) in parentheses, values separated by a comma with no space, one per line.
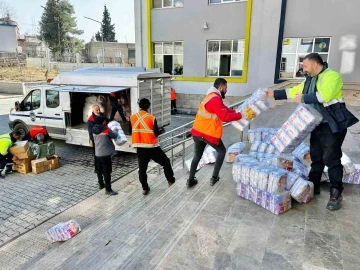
(280,42)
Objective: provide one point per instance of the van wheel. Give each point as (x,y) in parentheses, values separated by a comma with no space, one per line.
(22,128)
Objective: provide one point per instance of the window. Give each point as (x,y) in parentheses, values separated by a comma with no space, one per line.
(131,53)
(117,54)
(225,57)
(168,3)
(224,1)
(52,99)
(32,101)
(294,51)
(100,52)
(169,57)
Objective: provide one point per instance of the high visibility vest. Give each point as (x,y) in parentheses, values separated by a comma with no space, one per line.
(5,143)
(206,122)
(172,94)
(142,135)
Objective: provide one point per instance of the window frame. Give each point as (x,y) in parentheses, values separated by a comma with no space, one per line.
(220,53)
(227,2)
(46,95)
(172,54)
(162,5)
(301,54)
(30,94)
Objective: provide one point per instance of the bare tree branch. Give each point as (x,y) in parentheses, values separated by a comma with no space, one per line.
(6,11)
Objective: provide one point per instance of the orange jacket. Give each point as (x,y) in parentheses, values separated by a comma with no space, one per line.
(173,94)
(142,135)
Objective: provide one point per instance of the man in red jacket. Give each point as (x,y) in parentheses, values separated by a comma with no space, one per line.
(208,128)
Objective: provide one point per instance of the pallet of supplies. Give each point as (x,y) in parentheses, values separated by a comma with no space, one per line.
(63,231)
(257,102)
(294,131)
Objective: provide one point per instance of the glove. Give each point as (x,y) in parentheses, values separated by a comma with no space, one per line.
(249,114)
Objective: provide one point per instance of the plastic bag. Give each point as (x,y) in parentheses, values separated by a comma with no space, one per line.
(234,150)
(63,231)
(199,166)
(121,138)
(300,169)
(257,102)
(209,155)
(300,189)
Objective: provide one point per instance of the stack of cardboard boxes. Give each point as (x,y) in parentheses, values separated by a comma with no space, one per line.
(26,160)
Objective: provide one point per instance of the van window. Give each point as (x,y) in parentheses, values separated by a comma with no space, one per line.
(32,101)
(52,99)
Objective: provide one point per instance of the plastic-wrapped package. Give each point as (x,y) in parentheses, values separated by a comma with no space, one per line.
(255,146)
(277,181)
(251,135)
(270,149)
(254,176)
(257,102)
(199,166)
(300,189)
(209,155)
(253,154)
(242,158)
(350,178)
(116,127)
(277,204)
(234,150)
(283,162)
(263,181)
(237,167)
(302,153)
(279,146)
(300,169)
(310,194)
(245,173)
(347,164)
(291,179)
(263,147)
(304,120)
(63,231)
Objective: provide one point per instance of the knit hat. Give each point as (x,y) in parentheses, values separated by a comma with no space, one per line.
(99,119)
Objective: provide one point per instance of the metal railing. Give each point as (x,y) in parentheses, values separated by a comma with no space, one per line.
(180,135)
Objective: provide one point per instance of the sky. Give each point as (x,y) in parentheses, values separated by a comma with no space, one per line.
(28,13)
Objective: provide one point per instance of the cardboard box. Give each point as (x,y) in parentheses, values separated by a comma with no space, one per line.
(25,160)
(39,165)
(19,148)
(37,170)
(23,168)
(53,162)
(25,155)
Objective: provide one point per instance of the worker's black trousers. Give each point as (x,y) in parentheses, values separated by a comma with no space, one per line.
(156,154)
(173,107)
(5,160)
(325,150)
(103,171)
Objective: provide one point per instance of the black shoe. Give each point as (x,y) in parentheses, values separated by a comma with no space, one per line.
(111,193)
(145,191)
(213,180)
(191,182)
(317,189)
(170,183)
(335,200)
(101,186)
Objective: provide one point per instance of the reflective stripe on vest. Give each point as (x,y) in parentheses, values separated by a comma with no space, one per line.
(142,136)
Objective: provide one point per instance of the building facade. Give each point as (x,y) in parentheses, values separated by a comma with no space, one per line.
(32,46)
(251,43)
(122,53)
(8,34)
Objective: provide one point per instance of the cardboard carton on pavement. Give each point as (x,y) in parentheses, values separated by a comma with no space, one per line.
(19,148)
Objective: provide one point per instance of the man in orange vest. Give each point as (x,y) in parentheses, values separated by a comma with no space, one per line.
(208,128)
(144,132)
(173,101)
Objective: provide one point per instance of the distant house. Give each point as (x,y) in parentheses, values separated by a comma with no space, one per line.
(8,34)
(32,46)
(122,53)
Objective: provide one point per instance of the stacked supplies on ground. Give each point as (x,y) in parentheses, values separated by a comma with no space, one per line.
(294,131)
(25,155)
(209,156)
(257,102)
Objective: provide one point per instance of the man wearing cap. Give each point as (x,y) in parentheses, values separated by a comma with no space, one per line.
(144,132)
(104,148)
(38,135)
(6,141)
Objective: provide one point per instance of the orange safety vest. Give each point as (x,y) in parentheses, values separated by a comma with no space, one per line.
(206,122)
(172,94)
(142,135)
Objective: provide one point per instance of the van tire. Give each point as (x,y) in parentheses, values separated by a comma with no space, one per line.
(22,128)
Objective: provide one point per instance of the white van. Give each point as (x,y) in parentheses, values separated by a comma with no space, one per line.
(58,106)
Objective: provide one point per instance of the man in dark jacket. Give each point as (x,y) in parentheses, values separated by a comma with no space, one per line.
(116,107)
(322,89)
(104,148)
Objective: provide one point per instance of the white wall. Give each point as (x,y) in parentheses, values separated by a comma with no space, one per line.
(8,38)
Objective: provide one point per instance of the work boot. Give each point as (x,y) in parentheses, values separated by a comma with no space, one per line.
(191,182)
(111,193)
(213,180)
(2,174)
(335,199)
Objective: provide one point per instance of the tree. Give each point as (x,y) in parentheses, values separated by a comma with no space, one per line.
(107,29)
(58,24)
(6,12)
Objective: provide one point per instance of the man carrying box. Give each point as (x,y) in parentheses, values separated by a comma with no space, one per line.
(322,89)
(6,141)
